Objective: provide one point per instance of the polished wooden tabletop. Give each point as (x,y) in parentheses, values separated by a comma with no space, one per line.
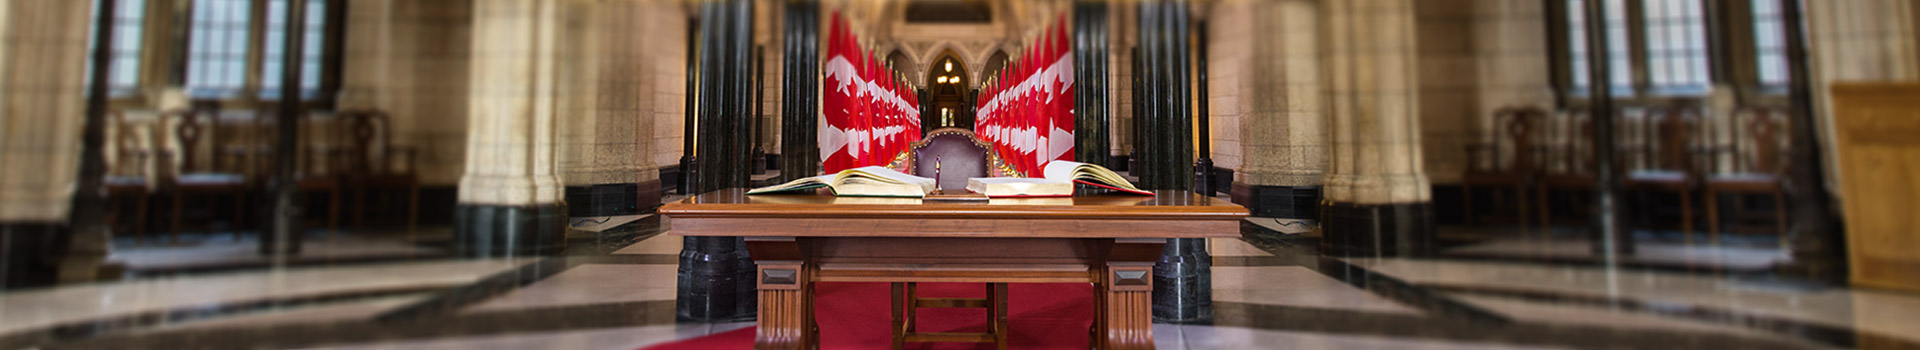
(1164,205)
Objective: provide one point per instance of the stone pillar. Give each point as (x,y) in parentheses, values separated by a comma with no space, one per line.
(1182,279)
(1377,197)
(1843,41)
(800,109)
(715,276)
(1090,54)
(42,78)
(606,155)
(510,202)
(1268,106)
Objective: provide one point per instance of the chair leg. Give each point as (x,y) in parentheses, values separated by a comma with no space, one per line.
(1466,204)
(900,305)
(1713,217)
(177,203)
(413,211)
(140,219)
(1686,213)
(1780,215)
(997,302)
(240,214)
(1546,208)
(333,212)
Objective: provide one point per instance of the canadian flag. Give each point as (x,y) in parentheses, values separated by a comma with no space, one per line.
(836,114)
(1062,100)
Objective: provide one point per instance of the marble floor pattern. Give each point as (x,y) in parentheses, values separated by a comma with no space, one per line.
(1265,296)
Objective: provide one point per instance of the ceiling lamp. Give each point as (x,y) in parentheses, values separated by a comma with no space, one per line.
(949,66)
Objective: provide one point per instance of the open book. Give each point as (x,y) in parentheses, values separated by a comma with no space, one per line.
(872,181)
(1059,180)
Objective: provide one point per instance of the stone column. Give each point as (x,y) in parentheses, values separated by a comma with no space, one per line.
(1377,197)
(800,110)
(1843,41)
(1183,288)
(1268,106)
(42,77)
(716,276)
(606,154)
(510,202)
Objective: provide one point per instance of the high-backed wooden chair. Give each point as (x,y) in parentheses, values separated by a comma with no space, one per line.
(1672,167)
(369,163)
(129,175)
(1758,166)
(950,156)
(1514,139)
(1568,166)
(316,168)
(192,174)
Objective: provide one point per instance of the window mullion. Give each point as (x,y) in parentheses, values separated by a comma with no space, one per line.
(1637,49)
(256,44)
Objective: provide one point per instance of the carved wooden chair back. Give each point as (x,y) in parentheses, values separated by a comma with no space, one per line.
(193,132)
(1512,147)
(369,141)
(1674,134)
(130,155)
(1765,130)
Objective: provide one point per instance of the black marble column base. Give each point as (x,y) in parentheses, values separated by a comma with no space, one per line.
(486,231)
(613,199)
(715,281)
(1183,283)
(1285,202)
(30,254)
(1350,229)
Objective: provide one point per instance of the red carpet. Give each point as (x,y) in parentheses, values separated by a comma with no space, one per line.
(856,316)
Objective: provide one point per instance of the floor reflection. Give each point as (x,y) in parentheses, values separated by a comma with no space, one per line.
(615,289)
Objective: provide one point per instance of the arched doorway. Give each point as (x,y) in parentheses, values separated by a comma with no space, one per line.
(949,93)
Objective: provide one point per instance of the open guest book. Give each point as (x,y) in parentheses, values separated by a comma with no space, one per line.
(1059,178)
(872,181)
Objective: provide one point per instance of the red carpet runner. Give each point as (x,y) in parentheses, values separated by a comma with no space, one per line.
(856,316)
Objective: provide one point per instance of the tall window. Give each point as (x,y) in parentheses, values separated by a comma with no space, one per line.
(1676,45)
(1619,53)
(217,57)
(1769,43)
(274,57)
(128,19)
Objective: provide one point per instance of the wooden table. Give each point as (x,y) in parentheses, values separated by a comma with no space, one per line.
(1111,241)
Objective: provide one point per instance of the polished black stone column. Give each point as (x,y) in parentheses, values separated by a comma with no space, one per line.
(1609,240)
(689,172)
(1203,181)
(283,237)
(715,275)
(81,245)
(799,145)
(1818,243)
(1183,289)
(1091,141)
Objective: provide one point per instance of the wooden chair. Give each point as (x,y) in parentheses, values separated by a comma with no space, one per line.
(1672,167)
(368,164)
(192,176)
(128,176)
(1569,166)
(950,156)
(1758,167)
(1514,139)
(317,168)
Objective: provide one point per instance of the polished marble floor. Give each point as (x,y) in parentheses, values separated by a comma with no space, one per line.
(1270,290)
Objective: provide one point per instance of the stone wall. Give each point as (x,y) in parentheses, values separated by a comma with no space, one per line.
(412,59)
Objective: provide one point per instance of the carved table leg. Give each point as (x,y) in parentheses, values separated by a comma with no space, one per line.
(785,284)
(785,321)
(1125,315)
